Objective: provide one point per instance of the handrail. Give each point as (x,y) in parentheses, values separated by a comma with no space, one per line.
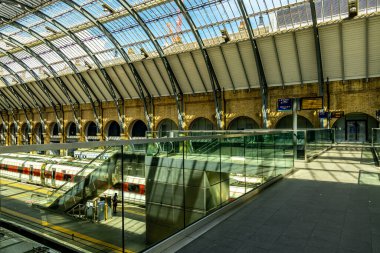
(95,144)
(84,167)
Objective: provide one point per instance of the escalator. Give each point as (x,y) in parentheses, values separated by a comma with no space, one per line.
(93,180)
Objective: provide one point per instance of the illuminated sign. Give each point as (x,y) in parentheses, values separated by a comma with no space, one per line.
(337,114)
(314,103)
(284,104)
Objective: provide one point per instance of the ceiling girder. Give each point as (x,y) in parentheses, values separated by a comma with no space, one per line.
(259,64)
(39,83)
(217,92)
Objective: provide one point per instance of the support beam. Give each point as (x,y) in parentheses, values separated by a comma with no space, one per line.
(366,51)
(297,57)
(217,92)
(259,65)
(40,84)
(341,52)
(19,101)
(9,107)
(318,53)
(278,60)
(29,92)
(317,48)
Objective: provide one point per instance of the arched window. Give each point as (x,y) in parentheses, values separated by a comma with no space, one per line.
(39,137)
(113,130)
(201,124)
(242,123)
(2,135)
(25,134)
(72,129)
(165,127)
(13,134)
(355,127)
(139,129)
(91,131)
(287,122)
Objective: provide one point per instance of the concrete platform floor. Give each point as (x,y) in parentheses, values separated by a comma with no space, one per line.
(83,236)
(320,208)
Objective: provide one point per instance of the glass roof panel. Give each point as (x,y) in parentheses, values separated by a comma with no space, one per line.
(100,9)
(95,40)
(30,20)
(71,19)
(47,54)
(24,37)
(9,30)
(69,47)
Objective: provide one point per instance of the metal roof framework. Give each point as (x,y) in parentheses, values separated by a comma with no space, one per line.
(89,44)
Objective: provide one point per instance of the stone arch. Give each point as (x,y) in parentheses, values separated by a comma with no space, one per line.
(90,131)
(138,129)
(165,126)
(201,123)
(112,130)
(71,129)
(243,123)
(25,134)
(39,134)
(3,135)
(355,126)
(13,134)
(286,122)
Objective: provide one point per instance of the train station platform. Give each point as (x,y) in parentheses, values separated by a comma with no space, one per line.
(331,204)
(75,235)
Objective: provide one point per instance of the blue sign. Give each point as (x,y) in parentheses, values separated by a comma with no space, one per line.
(284,104)
(323,115)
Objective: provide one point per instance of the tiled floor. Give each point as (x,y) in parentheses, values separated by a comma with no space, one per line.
(320,208)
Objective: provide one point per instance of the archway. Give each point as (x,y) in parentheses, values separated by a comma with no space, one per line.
(200,124)
(139,129)
(2,135)
(113,131)
(71,130)
(13,134)
(25,134)
(91,131)
(39,137)
(355,127)
(286,122)
(242,123)
(71,136)
(165,127)
(54,133)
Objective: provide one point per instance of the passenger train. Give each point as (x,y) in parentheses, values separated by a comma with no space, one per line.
(54,172)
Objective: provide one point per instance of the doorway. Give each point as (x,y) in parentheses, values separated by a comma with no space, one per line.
(356,130)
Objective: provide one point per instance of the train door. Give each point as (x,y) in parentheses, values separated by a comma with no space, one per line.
(42,174)
(53,177)
(31,173)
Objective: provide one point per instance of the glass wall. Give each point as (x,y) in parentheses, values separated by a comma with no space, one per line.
(106,199)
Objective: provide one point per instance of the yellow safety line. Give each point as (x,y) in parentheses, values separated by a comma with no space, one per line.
(63,230)
(23,186)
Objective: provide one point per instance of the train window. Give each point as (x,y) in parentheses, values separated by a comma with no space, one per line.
(133,187)
(66,177)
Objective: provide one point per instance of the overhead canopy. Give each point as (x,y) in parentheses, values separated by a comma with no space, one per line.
(61,38)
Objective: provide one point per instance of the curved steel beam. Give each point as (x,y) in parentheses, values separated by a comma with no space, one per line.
(259,65)
(121,51)
(19,101)
(317,52)
(178,95)
(39,83)
(28,91)
(213,78)
(65,90)
(74,38)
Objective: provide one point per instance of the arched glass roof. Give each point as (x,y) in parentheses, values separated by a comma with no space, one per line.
(25,26)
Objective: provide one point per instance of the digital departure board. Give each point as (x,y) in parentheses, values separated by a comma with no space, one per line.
(284,104)
(313,103)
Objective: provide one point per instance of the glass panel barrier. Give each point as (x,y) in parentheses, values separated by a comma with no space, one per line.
(376,141)
(318,140)
(129,195)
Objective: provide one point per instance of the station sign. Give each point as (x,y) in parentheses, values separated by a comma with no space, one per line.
(284,104)
(324,115)
(337,114)
(312,103)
